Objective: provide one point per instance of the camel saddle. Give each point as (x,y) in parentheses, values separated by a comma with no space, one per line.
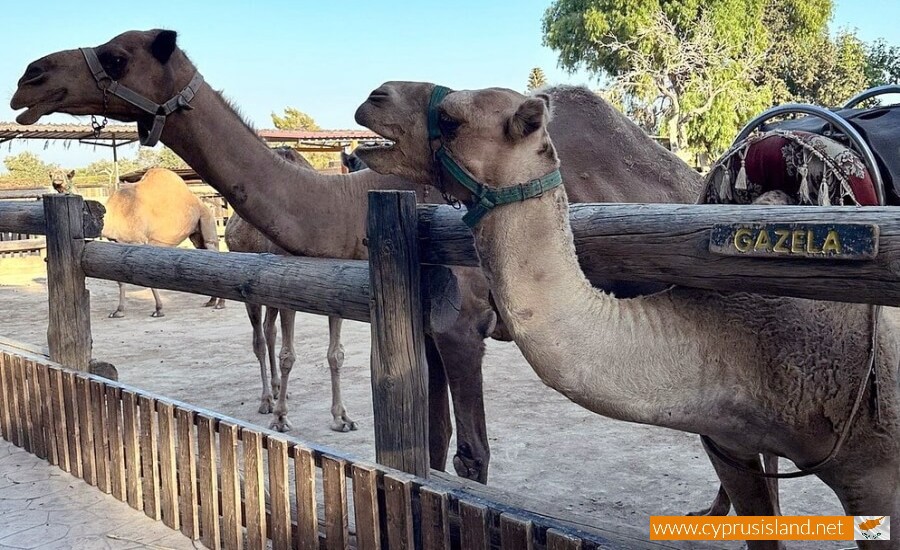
(878,126)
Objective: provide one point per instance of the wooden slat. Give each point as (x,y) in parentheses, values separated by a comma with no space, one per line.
(33,403)
(149,456)
(473,526)
(278,492)
(515,533)
(255,490)
(210,534)
(5,397)
(187,474)
(23,245)
(131,444)
(557,540)
(20,401)
(334,486)
(305,481)
(365,505)
(101,442)
(168,474)
(73,426)
(114,433)
(232,530)
(43,374)
(85,428)
(435,519)
(398,501)
(60,424)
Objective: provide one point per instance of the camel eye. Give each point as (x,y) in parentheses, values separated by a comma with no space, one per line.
(113,64)
(447,124)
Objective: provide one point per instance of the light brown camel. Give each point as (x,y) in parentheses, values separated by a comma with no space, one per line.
(289,204)
(754,374)
(158,210)
(61,181)
(240,236)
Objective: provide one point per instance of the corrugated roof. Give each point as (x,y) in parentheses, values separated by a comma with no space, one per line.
(128,132)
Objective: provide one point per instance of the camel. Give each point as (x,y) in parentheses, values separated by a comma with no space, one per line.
(312,214)
(240,236)
(61,180)
(753,374)
(158,210)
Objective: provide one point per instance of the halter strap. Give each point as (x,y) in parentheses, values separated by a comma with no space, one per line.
(181,100)
(485,198)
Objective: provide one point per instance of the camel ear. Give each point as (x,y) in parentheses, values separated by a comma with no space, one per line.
(71,174)
(163,45)
(543,97)
(529,118)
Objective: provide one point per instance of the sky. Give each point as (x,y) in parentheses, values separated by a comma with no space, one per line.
(321,57)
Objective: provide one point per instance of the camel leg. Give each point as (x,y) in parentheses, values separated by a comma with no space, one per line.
(341,421)
(120,310)
(439,427)
(254,312)
(286,361)
(158,312)
(271,336)
(199,242)
(750,494)
(869,488)
(462,350)
(721,505)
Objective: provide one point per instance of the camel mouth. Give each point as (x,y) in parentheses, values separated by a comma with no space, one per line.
(35,110)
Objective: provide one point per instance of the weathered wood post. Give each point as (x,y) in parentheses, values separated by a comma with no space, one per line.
(69,330)
(399,369)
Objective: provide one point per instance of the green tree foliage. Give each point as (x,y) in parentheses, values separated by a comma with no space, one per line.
(536,79)
(26,170)
(882,63)
(159,158)
(295,119)
(696,71)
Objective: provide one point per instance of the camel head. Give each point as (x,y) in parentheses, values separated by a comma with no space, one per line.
(497,135)
(147,62)
(60,180)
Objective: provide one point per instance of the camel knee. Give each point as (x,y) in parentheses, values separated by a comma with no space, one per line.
(286,360)
(336,358)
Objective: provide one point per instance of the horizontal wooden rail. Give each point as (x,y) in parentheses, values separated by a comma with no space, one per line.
(23,245)
(670,243)
(28,217)
(311,285)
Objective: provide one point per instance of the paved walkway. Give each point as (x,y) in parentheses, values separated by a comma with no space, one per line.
(43,507)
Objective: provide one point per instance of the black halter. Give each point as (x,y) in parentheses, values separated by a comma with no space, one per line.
(147,137)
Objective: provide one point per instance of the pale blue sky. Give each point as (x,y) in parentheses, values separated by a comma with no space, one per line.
(322,57)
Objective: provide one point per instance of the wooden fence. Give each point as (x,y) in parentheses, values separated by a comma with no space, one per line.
(168,458)
(14,244)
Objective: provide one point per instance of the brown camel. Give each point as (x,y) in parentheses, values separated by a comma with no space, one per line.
(754,374)
(288,204)
(240,236)
(158,210)
(61,180)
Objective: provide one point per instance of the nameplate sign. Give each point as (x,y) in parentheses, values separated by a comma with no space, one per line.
(828,241)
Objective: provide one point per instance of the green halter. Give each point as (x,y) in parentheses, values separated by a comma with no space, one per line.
(485,198)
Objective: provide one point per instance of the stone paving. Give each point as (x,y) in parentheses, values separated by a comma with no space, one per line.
(43,507)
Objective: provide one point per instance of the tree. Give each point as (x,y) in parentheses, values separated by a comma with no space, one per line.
(536,79)
(882,63)
(295,119)
(697,71)
(27,169)
(159,158)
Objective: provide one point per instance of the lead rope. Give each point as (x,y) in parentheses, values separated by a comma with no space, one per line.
(874,314)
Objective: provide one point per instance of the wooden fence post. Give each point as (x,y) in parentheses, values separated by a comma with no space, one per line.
(69,330)
(399,369)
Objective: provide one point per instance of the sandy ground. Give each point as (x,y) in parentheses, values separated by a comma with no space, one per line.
(542,445)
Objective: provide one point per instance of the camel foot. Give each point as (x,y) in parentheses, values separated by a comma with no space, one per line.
(157,314)
(213,302)
(117,314)
(468,466)
(265,405)
(344,424)
(280,424)
(220,305)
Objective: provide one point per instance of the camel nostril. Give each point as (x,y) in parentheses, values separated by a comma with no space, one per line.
(32,75)
(379,96)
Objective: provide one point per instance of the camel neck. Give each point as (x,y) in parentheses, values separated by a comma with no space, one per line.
(608,355)
(289,204)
